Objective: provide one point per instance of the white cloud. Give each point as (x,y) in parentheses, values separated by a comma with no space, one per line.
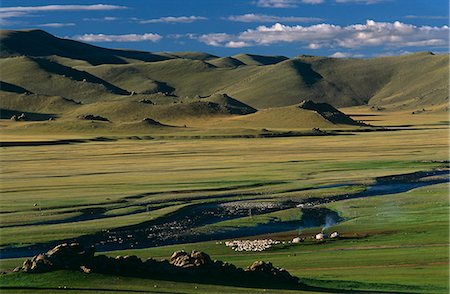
(106,18)
(314,46)
(346,55)
(285,3)
(313,1)
(370,34)
(425,17)
(56,24)
(361,1)
(118,38)
(4,16)
(8,14)
(94,7)
(216,40)
(20,11)
(393,53)
(339,55)
(174,19)
(237,44)
(250,17)
(109,18)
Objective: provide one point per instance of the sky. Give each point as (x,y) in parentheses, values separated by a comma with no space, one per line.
(337,28)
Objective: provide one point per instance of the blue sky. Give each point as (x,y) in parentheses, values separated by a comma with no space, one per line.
(340,28)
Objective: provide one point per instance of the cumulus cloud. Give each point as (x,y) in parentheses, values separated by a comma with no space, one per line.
(118,38)
(217,40)
(285,3)
(56,24)
(220,39)
(370,34)
(250,17)
(174,19)
(237,44)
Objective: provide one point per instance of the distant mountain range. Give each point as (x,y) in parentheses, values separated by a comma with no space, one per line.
(69,78)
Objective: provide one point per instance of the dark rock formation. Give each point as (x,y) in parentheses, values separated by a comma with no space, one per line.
(93,117)
(266,269)
(64,256)
(184,260)
(328,112)
(152,122)
(146,101)
(182,266)
(229,104)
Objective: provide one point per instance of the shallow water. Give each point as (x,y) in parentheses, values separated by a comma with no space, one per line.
(178,227)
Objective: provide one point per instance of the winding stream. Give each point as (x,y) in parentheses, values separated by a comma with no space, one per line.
(180,226)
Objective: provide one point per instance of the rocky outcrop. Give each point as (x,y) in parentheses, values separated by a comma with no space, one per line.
(64,256)
(182,266)
(184,260)
(328,112)
(93,117)
(146,101)
(267,270)
(152,122)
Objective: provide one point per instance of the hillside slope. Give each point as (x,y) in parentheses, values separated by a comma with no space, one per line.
(41,43)
(129,86)
(46,77)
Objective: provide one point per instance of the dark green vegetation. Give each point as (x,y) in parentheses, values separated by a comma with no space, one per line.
(144,153)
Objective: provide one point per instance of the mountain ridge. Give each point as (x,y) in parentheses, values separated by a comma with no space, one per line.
(70,78)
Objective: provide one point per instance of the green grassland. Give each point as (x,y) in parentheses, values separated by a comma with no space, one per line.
(394,243)
(209,148)
(408,255)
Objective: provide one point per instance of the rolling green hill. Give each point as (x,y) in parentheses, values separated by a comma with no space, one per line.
(46,77)
(252,59)
(43,74)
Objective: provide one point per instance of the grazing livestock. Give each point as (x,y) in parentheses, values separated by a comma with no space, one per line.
(251,245)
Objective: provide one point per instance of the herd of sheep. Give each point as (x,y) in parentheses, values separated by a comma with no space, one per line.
(264,244)
(251,245)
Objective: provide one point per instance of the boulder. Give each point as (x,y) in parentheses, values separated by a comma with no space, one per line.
(64,256)
(182,261)
(267,270)
(176,255)
(195,259)
(200,258)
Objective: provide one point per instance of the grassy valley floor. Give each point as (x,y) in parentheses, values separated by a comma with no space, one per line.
(395,243)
